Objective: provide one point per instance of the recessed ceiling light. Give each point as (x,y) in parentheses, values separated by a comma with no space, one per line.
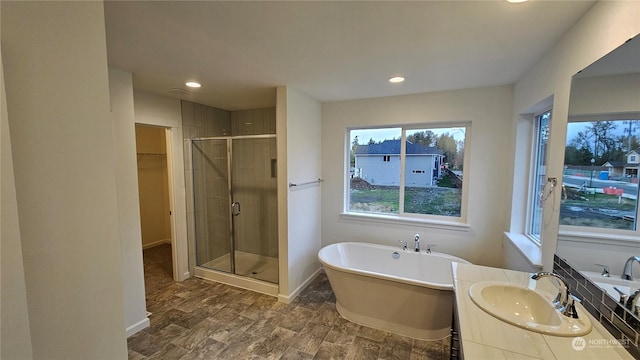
(396,79)
(516,1)
(193,84)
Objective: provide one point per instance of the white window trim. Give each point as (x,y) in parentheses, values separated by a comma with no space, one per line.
(430,221)
(396,220)
(605,236)
(625,238)
(519,224)
(529,249)
(531,184)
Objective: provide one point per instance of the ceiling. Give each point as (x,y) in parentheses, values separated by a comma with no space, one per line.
(332,51)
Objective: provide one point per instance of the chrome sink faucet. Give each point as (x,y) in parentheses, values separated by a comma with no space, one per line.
(416,243)
(632,302)
(564,302)
(626,273)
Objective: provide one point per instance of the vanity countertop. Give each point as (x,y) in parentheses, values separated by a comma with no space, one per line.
(483,336)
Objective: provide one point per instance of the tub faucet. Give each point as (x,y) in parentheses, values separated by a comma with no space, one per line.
(404,244)
(626,273)
(564,302)
(416,244)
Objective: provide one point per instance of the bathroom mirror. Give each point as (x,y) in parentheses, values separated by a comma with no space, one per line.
(599,224)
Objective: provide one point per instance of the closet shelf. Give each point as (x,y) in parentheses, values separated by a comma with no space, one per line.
(150,155)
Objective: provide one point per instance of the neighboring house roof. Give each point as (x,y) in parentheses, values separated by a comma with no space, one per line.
(637,152)
(392,147)
(614,163)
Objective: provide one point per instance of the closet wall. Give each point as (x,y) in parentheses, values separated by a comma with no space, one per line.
(153,185)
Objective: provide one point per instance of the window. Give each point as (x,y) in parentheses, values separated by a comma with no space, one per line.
(427,180)
(600,192)
(537,195)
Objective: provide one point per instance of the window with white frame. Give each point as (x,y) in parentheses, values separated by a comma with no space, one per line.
(412,171)
(539,171)
(600,178)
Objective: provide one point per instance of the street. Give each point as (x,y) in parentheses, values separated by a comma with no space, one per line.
(630,189)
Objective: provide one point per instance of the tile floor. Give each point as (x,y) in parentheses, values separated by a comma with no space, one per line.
(200,319)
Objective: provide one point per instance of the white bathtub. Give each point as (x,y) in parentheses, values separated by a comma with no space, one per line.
(391,289)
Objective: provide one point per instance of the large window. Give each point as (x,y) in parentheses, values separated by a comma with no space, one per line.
(412,171)
(600,179)
(537,193)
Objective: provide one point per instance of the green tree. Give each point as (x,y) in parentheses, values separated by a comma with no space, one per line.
(354,148)
(448,145)
(631,126)
(574,155)
(598,138)
(424,138)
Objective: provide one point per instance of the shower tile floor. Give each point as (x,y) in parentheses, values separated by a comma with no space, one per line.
(259,267)
(200,319)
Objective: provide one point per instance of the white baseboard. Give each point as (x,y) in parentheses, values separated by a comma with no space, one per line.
(144,323)
(289,298)
(156,243)
(185,276)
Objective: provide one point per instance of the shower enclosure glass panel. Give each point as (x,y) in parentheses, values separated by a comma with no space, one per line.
(235,204)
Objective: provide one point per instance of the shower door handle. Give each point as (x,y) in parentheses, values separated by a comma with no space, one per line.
(235,208)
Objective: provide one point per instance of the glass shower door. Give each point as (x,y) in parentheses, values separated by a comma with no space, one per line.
(254,187)
(211,204)
(235,205)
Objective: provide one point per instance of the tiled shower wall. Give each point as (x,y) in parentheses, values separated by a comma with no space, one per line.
(615,318)
(199,121)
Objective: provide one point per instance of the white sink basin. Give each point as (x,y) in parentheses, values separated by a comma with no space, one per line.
(526,308)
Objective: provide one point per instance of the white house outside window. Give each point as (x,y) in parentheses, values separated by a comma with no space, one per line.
(407,171)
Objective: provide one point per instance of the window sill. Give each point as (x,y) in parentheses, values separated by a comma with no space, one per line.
(527,247)
(390,219)
(598,238)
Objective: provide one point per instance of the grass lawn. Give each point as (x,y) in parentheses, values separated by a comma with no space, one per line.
(598,210)
(431,200)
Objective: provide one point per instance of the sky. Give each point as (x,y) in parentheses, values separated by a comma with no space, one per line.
(389,133)
(574,127)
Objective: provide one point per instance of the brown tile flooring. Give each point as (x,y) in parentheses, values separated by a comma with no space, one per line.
(200,319)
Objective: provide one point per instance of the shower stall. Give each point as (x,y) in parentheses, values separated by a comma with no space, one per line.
(235,209)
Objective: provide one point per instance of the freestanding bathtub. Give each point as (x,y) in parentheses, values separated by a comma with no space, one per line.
(391,289)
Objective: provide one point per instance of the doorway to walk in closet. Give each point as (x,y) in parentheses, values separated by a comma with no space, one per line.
(155,205)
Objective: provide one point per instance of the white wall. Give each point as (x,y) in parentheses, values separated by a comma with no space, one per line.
(584,255)
(605,94)
(489,112)
(57,91)
(122,118)
(606,26)
(300,239)
(15,337)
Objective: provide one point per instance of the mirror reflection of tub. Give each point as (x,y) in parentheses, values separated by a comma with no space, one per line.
(387,288)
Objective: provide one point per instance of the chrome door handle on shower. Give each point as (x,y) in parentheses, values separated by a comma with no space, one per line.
(235,208)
